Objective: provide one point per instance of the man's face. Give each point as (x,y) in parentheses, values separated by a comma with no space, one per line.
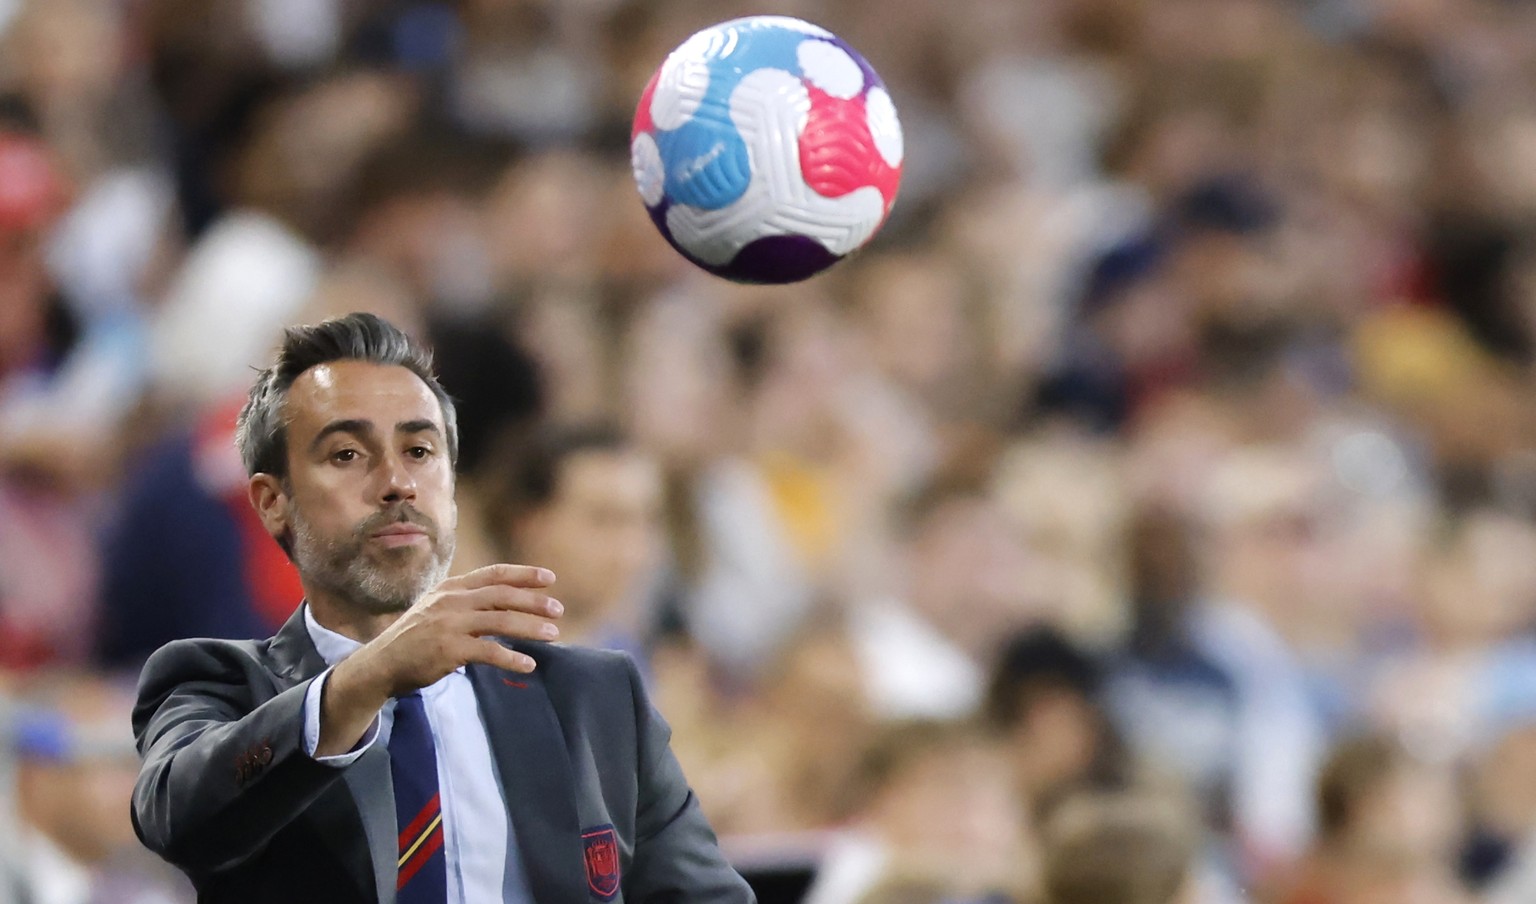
(370,509)
(602,530)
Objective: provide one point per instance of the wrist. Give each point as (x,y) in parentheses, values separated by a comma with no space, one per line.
(349,705)
(356,685)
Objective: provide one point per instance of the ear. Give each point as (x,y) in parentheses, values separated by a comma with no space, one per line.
(270,502)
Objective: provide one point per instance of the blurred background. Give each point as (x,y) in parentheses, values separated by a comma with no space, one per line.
(1154,497)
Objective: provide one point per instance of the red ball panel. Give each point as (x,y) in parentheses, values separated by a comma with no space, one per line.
(837,150)
(643,122)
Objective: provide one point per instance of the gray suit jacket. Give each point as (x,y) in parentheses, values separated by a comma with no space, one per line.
(227,793)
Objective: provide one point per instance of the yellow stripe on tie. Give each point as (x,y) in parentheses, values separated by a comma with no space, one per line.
(419,839)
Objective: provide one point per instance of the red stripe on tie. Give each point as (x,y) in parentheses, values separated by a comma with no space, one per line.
(409,833)
(420,858)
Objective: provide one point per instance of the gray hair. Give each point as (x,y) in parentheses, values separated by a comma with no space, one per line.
(261,431)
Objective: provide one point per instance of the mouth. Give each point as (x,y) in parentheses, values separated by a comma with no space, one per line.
(400,534)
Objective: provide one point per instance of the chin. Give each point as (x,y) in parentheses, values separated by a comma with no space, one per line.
(390,581)
(382,605)
(385,593)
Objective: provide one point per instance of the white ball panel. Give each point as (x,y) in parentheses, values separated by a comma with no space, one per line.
(714,236)
(770,109)
(791,23)
(830,68)
(841,224)
(683,80)
(650,173)
(884,125)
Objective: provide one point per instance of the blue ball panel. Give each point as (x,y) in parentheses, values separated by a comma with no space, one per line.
(706,160)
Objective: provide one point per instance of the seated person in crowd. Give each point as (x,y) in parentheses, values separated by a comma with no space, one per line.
(1118,849)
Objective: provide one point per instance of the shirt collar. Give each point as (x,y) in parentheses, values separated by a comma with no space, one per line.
(331,646)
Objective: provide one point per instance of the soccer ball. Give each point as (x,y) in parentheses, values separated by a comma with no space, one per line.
(766,149)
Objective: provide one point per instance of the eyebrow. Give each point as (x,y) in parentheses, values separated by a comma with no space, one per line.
(421,425)
(362,428)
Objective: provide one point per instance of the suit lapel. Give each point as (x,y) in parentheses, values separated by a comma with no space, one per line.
(367,780)
(373,792)
(535,770)
(293,654)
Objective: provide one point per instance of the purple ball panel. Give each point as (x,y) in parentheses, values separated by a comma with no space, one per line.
(777,259)
(772,260)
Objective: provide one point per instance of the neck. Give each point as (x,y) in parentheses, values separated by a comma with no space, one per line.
(348,620)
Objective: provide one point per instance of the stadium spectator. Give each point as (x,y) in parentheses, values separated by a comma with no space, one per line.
(1388,826)
(1119,849)
(587,503)
(1044,701)
(74,769)
(937,800)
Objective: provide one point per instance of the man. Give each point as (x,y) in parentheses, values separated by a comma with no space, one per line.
(185,554)
(1120,848)
(74,765)
(48,431)
(588,504)
(383,746)
(936,802)
(1044,700)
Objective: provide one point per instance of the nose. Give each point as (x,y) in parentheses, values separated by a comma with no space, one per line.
(397,483)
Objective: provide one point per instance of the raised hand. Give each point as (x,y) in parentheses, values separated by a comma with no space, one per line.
(451,626)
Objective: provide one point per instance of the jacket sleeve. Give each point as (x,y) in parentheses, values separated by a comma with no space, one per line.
(677,858)
(220,777)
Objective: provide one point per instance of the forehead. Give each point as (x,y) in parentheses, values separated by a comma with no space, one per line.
(385,394)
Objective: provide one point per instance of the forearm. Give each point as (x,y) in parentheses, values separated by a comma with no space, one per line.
(349,704)
(214,791)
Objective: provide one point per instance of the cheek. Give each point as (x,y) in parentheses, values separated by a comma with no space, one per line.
(323,513)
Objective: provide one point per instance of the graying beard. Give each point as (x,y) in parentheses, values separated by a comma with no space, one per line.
(371,590)
(354,581)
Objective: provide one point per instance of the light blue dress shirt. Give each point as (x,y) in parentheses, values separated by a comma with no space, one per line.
(482,856)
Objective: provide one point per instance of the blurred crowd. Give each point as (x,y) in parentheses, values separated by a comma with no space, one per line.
(1147,516)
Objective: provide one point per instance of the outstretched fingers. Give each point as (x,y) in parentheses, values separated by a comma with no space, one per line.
(501,574)
(494,654)
(515,625)
(497,597)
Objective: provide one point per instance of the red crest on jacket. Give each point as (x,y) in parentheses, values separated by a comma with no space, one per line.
(601,853)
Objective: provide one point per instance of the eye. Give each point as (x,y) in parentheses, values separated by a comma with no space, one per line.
(419,452)
(344,456)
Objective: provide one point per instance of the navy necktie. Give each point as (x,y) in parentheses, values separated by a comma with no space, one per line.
(423,873)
